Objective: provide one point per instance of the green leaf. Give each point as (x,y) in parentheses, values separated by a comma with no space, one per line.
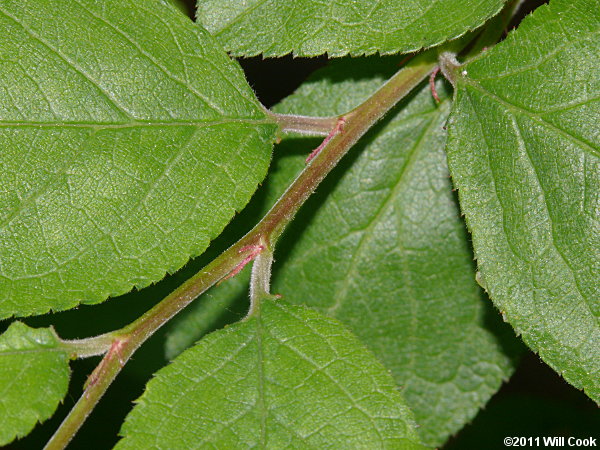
(287,377)
(313,27)
(382,248)
(524,154)
(475,345)
(128,139)
(34,377)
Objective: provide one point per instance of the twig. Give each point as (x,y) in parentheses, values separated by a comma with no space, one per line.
(356,123)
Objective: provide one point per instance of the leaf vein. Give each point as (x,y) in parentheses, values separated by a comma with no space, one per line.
(120,108)
(153,60)
(536,117)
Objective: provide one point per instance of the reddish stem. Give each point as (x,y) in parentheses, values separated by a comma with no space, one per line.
(115,351)
(255,250)
(337,129)
(432,84)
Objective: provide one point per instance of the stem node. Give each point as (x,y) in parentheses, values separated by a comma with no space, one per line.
(449,66)
(339,126)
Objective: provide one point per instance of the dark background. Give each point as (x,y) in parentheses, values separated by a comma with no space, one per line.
(535,402)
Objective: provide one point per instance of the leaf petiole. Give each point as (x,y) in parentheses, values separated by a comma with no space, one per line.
(85,348)
(260,279)
(306,125)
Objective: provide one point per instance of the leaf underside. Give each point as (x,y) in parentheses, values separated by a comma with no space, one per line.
(382,248)
(128,139)
(360,27)
(34,378)
(401,302)
(287,377)
(524,152)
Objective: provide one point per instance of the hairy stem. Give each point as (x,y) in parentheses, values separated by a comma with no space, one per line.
(265,234)
(484,39)
(449,65)
(84,348)
(260,280)
(356,123)
(312,126)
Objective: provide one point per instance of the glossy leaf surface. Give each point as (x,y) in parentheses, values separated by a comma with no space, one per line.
(128,139)
(524,152)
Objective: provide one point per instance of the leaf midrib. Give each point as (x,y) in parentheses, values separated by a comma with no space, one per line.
(135,124)
(523,327)
(260,373)
(367,231)
(16,352)
(355,403)
(55,178)
(551,219)
(302,258)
